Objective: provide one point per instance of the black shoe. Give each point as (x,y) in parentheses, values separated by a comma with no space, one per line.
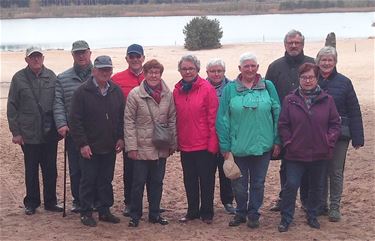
(133,223)
(109,218)
(323,211)
(29,210)
(187,218)
(237,220)
(229,208)
(283,226)
(54,208)
(88,220)
(276,207)
(313,222)
(75,208)
(126,211)
(207,220)
(162,210)
(253,223)
(159,220)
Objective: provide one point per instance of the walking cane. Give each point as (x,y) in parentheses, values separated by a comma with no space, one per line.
(64,199)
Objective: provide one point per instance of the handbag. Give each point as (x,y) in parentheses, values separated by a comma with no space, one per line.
(231,169)
(345,130)
(161,135)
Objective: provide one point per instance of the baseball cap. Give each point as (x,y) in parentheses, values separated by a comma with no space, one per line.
(33,49)
(80,45)
(135,49)
(103,61)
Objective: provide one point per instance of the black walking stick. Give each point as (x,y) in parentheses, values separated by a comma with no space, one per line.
(64,199)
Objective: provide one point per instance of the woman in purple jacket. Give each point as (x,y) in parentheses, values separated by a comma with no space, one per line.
(309,126)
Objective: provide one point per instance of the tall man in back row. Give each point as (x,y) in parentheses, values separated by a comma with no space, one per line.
(283,72)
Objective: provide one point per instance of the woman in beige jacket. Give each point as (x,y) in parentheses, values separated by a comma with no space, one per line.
(149,102)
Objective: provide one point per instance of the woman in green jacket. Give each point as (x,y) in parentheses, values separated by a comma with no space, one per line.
(247,127)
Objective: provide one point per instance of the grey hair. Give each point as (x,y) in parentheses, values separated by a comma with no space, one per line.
(190,58)
(215,62)
(293,33)
(327,50)
(248,56)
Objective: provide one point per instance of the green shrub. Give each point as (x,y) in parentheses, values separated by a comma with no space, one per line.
(202,33)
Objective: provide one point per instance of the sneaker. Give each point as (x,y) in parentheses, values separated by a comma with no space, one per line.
(159,220)
(323,211)
(54,208)
(229,208)
(126,211)
(276,207)
(237,220)
(313,222)
(29,210)
(187,218)
(253,223)
(334,215)
(88,220)
(283,226)
(109,218)
(75,208)
(133,223)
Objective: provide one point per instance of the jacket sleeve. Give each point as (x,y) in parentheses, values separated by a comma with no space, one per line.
(12,109)
(76,120)
(275,102)
(59,110)
(213,104)
(334,126)
(284,128)
(120,126)
(222,121)
(130,116)
(355,116)
(172,122)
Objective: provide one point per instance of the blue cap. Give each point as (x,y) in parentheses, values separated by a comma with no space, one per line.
(135,49)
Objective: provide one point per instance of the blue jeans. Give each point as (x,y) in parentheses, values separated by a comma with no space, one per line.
(151,171)
(254,171)
(316,176)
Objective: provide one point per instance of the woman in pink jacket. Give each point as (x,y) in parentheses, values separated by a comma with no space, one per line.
(196,106)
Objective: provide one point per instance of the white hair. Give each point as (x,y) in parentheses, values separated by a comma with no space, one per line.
(215,62)
(248,56)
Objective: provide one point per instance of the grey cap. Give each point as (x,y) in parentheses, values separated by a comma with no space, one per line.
(103,61)
(80,45)
(33,49)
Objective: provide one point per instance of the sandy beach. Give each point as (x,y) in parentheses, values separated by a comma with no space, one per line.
(355,60)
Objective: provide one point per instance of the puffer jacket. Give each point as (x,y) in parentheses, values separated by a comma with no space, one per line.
(341,89)
(196,115)
(139,124)
(309,134)
(22,110)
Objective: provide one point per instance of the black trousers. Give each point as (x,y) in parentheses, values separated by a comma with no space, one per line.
(226,192)
(74,169)
(97,176)
(199,179)
(44,155)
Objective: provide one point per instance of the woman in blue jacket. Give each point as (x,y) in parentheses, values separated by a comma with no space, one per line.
(341,89)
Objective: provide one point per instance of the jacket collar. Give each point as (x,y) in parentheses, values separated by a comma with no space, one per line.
(144,94)
(259,84)
(195,86)
(297,96)
(90,85)
(294,60)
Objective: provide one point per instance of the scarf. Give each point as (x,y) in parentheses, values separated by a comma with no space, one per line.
(186,86)
(154,92)
(309,95)
(83,74)
(219,87)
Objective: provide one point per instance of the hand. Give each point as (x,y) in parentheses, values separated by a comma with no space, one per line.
(276,150)
(18,140)
(119,146)
(133,155)
(86,152)
(63,131)
(225,155)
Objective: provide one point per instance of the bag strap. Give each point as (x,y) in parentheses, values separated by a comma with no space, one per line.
(149,110)
(33,92)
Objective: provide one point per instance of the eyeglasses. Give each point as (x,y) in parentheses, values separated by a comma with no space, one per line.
(307,78)
(217,71)
(153,73)
(293,43)
(191,69)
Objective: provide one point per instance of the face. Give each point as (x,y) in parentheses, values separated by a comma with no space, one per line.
(249,70)
(326,64)
(188,71)
(135,61)
(294,45)
(82,57)
(308,80)
(153,77)
(35,61)
(102,75)
(216,73)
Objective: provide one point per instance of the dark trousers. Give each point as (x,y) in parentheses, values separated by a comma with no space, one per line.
(304,187)
(44,155)
(152,171)
(226,192)
(74,169)
(199,179)
(128,178)
(97,176)
(316,176)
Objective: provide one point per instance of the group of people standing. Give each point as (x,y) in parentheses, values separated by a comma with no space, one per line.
(302,112)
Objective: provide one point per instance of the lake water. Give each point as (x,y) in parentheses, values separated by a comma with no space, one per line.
(166,31)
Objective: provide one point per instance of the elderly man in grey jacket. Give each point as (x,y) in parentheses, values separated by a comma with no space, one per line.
(67,83)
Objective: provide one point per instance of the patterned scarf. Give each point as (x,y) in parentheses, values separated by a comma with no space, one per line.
(154,92)
(186,86)
(309,95)
(83,74)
